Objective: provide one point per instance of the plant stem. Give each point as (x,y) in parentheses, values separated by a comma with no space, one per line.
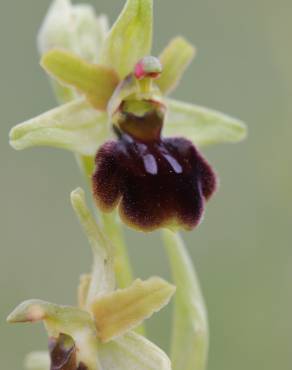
(190,334)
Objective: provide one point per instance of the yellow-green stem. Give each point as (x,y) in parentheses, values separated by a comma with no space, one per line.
(190,338)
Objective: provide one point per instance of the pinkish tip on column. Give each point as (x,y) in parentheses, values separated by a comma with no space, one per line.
(148,67)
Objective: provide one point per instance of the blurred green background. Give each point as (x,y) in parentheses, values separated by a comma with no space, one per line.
(243,249)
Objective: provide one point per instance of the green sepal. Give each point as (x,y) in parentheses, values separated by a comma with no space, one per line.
(74,126)
(201,125)
(132,351)
(130,38)
(124,309)
(68,320)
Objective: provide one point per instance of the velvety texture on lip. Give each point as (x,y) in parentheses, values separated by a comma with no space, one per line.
(157,183)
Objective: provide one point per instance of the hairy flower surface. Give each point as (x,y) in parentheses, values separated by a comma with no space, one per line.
(155,180)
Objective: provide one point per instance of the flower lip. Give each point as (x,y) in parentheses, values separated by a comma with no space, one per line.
(62,353)
(155,184)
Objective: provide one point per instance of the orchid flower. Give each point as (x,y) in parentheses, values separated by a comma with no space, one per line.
(98,335)
(140,151)
(149,171)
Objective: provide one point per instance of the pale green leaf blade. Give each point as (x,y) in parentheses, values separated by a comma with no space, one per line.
(201,125)
(132,352)
(124,309)
(37,361)
(96,81)
(130,38)
(175,58)
(102,277)
(75,126)
(189,346)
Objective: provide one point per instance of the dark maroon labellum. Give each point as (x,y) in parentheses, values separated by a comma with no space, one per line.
(161,182)
(63,354)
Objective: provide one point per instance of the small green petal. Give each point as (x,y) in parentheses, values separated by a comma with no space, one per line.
(97,82)
(189,347)
(75,126)
(102,278)
(130,38)
(132,352)
(201,125)
(124,309)
(62,320)
(37,361)
(174,59)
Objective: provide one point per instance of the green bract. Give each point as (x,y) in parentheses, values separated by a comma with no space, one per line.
(130,38)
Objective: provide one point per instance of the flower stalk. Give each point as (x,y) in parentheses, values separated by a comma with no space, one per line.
(190,333)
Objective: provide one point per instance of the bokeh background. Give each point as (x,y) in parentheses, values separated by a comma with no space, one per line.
(242,251)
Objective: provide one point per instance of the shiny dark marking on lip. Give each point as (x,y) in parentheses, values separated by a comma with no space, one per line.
(156,183)
(63,354)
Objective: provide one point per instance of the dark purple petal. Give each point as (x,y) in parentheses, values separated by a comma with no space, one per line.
(158,183)
(106,184)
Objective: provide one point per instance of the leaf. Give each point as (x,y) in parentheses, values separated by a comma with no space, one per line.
(175,58)
(102,277)
(130,38)
(75,126)
(124,309)
(132,352)
(201,125)
(96,81)
(189,346)
(37,361)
